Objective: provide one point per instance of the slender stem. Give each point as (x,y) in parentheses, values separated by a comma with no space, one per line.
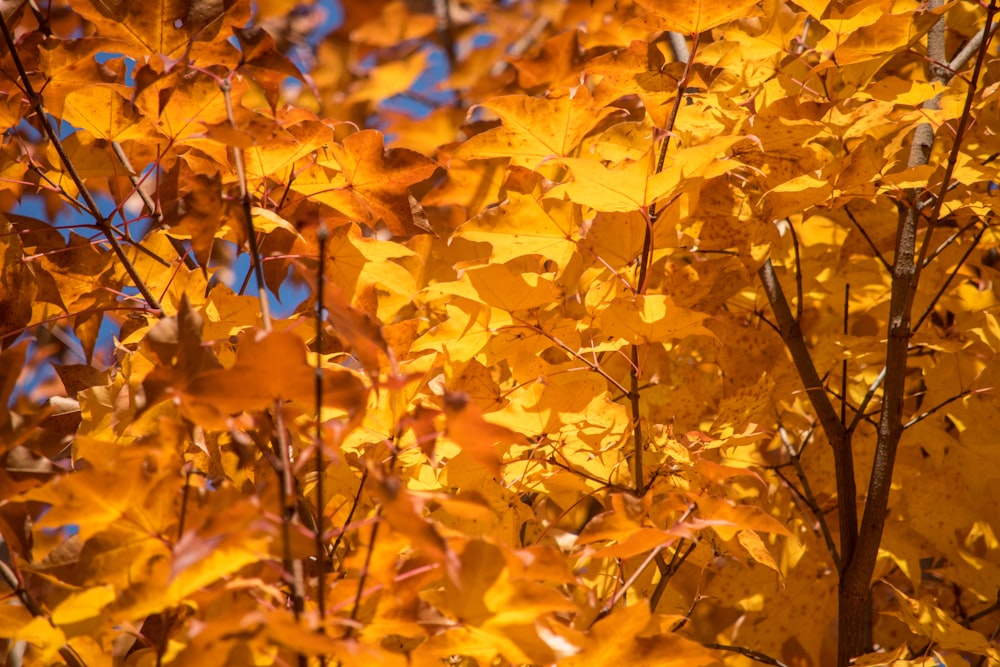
(807,494)
(638,471)
(265,309)
(365,570)
(961,262)
(868,239)
(147,201)
(289,514)
(756,656)
(859,414)
(350,514)
(321,554)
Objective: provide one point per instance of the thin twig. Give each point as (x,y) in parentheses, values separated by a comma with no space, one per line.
(66,651)
(321,555)
(103,223)
(566,348)
(287,497)
(756,656)
(265,310)
(859,414)
(871,244)
(961,262)
(356,607)
(147,201)
(807,495)
(927,413)
(667,573)
(350,514)
(949,241)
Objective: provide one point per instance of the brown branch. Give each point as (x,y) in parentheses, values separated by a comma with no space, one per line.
(147,201)
(837,435)
(756,656)
(639,443)
(265,310)
(807,494)
(843,366)
(668,570)
(321,554)
(66,652)
(937,297)
(855,584)
(868,239)
(103,223)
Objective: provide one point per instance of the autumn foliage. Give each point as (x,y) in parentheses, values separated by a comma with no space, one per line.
(623,332)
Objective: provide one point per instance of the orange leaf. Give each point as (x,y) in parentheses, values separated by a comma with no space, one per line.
(691,17)
(478,437)
(269,367)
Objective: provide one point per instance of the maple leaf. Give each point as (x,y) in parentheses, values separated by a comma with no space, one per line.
(269,367)
(378,181)
(534,130)
(663,326)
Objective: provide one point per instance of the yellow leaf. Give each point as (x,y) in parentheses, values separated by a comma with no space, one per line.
(620,639)
(926,619)
(536,129)
(691,17)
(82,605)
(521,227)
(106,112)
(391,78)
(40,632)
(728,518)
(652,318)
(757,550)
(463,332)
(796,195)
(374,182)
(633,187)
(500,287)
(479,438)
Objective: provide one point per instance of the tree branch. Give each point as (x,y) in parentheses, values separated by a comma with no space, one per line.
(837,435)
(855,587)
(103,223)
